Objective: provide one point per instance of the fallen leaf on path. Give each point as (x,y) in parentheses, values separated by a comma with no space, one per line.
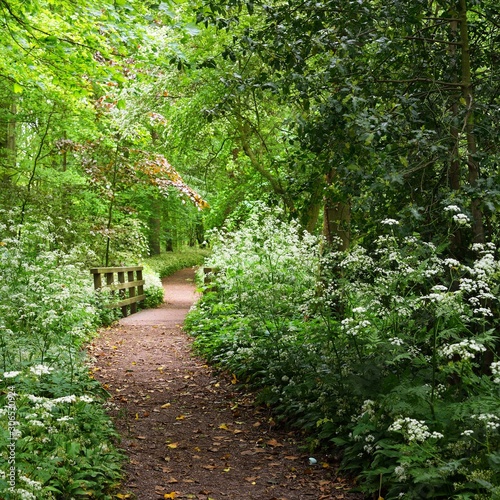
(173,445)
(291,457)
(273,442)
(170,495)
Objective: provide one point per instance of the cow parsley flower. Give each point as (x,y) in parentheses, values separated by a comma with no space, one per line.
(396,341)
(413,430)
(64,419)
(490,420)
(65,399)
(39,370)
(466,349)
(400,473)
(11,374)
(390,222)
(452,208)
(495,370)
(37,423)
(461,219)
(34,485)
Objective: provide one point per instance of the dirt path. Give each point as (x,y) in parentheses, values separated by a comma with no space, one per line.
(188,433)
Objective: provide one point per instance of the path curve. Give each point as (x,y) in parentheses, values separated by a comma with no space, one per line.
(188,433)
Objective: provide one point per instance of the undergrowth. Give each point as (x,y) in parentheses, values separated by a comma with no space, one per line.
(168,263)
(56,441)
(387,353)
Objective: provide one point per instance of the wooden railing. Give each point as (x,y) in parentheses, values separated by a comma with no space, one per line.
(128,283)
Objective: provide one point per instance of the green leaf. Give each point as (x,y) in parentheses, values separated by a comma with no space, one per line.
(18,89)
(165,8)
(121,104)
(192,29)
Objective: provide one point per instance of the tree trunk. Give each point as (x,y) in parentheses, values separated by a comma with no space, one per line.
(337,219)
(310,213)
(155,228)
(7,143)
(467,94)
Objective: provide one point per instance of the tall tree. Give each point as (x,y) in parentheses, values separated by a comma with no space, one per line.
(395,95)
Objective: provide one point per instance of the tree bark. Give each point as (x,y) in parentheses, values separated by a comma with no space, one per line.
(337,219)
(468,95)
(7,143)
(155,228)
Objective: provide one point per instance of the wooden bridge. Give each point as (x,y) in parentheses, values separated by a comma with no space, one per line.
(127,281)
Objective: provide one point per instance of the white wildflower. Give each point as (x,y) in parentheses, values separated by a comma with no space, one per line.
(359,310)
(64,419)
(413,430)
(65,399)
(452,208)
(483,311)
(466,349)
(490,420)
(396,341)
(495,368)
(390,222)
(39,370)
(461,219)
(35,485)
(400,473)
(24,494)
(11,374)
(35,399)
(37,423)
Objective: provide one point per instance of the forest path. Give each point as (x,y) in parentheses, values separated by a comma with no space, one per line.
(189,433)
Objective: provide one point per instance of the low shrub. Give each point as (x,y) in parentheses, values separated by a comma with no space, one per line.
(55,439)
(168,263)
(388,353)
(153,289)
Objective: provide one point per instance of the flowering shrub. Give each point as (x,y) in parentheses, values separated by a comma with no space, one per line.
(260,296)
(55,439)
(387,352)
(153,289)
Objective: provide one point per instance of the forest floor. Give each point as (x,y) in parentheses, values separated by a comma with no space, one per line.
(190,433)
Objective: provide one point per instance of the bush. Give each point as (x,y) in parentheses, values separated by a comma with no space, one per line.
(63,438)
(168,263)
(388,353)
(153,289)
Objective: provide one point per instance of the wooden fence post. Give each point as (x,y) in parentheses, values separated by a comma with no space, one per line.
(135,287)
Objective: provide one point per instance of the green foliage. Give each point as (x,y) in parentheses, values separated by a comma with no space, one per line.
(387,352)
(62,436)
(153,289)
(169,262)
